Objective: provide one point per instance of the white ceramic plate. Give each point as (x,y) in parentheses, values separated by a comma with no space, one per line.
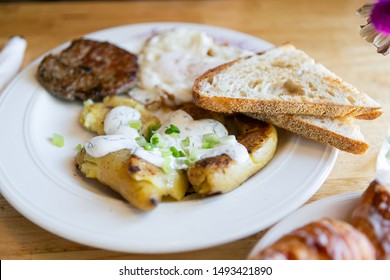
(338,207)
(41,182)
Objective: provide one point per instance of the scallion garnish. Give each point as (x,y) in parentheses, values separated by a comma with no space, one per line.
(174,135)
(149,146)
(79,147)
(152,130)
(185,142)
(210,141)
(172,129)
(154,127)
(193,156)
(135,124)
(58,140)
(141,141)
(155,139)
(165,153)
(158,140)
(176,153)
(166,166)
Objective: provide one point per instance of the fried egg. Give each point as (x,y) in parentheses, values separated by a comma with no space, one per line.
(171,61)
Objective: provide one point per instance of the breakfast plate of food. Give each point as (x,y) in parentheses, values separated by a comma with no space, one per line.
(347,226)
(118,140)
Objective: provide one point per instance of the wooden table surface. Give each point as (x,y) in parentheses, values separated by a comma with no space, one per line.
(327,30)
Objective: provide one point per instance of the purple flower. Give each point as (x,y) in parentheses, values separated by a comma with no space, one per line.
(377,29)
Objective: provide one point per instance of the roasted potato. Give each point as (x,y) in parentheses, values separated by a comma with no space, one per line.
(144,184)
(138,181)
(92,116)
(222,174)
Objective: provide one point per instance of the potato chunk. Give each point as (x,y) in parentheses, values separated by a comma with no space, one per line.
(222,174)
(138,181)
(92,116)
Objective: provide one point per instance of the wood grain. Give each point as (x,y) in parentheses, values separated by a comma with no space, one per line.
(327,30)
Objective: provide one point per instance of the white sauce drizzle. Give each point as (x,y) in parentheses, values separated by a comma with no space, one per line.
(117,121)
(121,136)
(100,146)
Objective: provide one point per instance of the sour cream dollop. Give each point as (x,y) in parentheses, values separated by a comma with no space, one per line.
(177,144)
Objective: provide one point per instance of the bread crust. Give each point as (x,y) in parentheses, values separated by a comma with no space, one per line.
(311,131)
(274,107)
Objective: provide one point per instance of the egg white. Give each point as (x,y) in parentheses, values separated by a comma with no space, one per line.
(171,61)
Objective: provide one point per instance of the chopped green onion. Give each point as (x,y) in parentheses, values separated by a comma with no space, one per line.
(176,153)
(141,141)
(135,124)
(207,145)
(174,135)
(87,103)
(185,142)
(211,137)
(57,140)
(79,147)
(152,130)
(166,153)
(155,139)
(210,140)
(193,154)
(166,166)
(149,146)
(172,129)
(158,140)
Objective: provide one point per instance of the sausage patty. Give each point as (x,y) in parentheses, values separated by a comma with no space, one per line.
(88,69)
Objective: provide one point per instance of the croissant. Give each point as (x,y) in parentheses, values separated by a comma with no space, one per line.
(372,217)
(326,239)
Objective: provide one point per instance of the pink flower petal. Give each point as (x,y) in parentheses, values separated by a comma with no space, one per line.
(380,16)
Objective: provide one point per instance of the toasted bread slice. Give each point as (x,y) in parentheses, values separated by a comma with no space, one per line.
(282,80)
(341,133)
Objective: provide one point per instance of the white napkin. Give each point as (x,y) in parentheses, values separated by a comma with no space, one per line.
(11,58)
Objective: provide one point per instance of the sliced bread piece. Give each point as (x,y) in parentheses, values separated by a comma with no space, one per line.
(282,80)
(341,133)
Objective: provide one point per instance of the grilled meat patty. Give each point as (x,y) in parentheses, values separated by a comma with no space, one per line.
(88,69)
